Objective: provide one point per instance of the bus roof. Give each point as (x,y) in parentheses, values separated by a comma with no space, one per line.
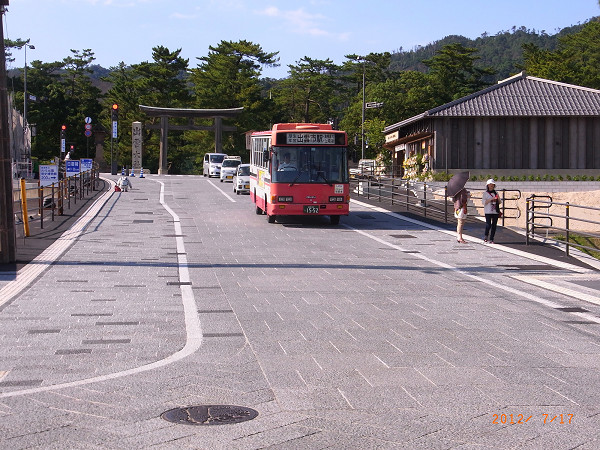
(303,127)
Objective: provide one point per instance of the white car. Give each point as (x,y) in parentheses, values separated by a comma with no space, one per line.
(229,169)
(212,164)
(241,181)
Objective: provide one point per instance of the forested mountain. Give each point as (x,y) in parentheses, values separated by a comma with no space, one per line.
(503,51)
(405,83)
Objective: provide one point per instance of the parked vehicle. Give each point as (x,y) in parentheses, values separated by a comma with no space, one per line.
(229,168)
(212,164)
(241,181)
(365,169)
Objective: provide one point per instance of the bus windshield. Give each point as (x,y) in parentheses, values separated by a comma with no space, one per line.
(309,165)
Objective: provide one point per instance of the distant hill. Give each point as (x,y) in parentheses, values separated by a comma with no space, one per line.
(502,51)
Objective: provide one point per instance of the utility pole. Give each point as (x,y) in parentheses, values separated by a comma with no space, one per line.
(8,241)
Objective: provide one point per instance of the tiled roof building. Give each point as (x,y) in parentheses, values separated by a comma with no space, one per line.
(522,122)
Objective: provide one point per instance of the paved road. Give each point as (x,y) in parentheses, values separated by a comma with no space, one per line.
(381,332)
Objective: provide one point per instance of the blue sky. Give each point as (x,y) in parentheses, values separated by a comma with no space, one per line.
(126,30)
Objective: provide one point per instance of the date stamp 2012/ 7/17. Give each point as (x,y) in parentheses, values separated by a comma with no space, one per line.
(512,419)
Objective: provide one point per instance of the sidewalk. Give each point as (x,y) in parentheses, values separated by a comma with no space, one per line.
(505,236)
(40,239)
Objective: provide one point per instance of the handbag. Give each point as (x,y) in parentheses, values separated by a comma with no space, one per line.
(460,214)
(498,210)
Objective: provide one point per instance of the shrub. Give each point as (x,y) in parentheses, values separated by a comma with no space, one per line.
(584,178)
(560,178)
(569,178)
(531,178)
(551,177)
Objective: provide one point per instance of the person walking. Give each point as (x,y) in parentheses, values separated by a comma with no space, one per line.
(460,212)
(491,209)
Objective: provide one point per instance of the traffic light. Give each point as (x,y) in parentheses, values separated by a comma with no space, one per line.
(115,112)
(63,130)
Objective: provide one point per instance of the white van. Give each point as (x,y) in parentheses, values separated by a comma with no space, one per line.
(212,164)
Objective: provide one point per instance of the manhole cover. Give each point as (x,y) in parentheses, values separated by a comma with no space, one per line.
(209,415)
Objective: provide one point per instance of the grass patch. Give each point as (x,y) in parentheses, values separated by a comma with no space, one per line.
(592,242)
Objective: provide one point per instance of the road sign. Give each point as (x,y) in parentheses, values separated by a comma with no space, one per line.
(88,133)
(114,129)
(88,126)
(88,120)
(86,164)
(373,104)
(72,167)
(48,174)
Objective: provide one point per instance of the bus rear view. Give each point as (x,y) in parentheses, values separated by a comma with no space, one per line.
(300,169)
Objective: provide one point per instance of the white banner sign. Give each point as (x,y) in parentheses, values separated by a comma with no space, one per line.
(48,174)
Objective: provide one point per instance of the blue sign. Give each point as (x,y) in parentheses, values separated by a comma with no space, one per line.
(72,167)
(86,164)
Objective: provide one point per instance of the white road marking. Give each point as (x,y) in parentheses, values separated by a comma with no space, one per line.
(222,191)
(192,321)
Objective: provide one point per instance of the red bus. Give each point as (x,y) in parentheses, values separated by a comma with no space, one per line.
(300,169)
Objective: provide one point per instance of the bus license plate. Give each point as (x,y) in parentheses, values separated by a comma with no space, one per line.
(311,209)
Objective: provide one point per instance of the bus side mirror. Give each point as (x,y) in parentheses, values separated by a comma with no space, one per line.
(266,155)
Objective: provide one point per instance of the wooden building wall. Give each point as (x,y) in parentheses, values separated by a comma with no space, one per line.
(517,143)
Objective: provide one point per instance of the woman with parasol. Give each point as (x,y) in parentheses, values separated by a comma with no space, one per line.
(460,197)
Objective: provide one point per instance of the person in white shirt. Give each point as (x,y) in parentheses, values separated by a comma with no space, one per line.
(124,183)
(286,164)
(491,203)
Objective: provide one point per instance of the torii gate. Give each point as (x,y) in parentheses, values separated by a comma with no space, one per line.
(165,113)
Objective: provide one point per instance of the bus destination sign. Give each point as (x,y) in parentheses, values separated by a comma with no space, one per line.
(311,138)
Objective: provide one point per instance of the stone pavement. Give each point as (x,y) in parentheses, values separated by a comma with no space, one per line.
(381,332)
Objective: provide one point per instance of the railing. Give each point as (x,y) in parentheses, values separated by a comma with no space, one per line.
(535,203)
(55,197)
(427,198)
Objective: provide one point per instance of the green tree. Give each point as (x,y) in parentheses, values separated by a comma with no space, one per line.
(308,94)
(82,98)
(454,74)
(228,77)
(49,111)
(575,61)
(161,82)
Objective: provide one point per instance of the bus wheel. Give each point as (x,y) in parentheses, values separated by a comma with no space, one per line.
(258,210)
(271,219)
(335,220)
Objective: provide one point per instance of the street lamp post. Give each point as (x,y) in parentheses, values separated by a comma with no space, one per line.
(362,123)
(25,124)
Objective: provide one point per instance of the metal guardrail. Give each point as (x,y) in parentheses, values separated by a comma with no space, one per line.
(55,197)
(426,198)
(535,203)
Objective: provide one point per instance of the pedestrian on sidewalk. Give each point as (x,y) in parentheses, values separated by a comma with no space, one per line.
(124,183)
(491,209)
(460,212)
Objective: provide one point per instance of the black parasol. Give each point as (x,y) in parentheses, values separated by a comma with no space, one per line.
(457,183)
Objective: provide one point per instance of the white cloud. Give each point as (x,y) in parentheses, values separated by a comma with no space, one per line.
(301,22)
(182,16)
